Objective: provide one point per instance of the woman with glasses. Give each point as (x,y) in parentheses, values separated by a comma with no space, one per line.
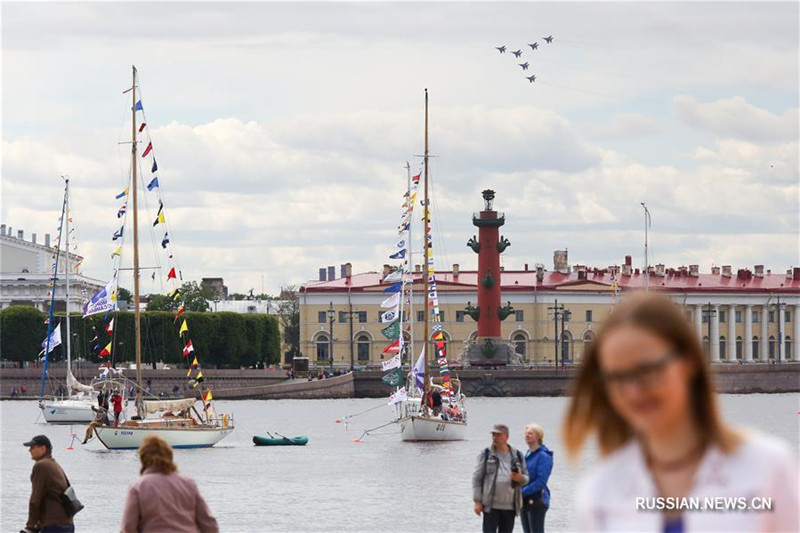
(669,462)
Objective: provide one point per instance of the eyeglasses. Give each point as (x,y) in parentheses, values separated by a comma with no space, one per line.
(645,376)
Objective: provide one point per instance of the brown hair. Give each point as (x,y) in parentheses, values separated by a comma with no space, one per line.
(590,410)
(156,453)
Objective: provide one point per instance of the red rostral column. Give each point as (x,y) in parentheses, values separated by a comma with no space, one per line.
(488,247)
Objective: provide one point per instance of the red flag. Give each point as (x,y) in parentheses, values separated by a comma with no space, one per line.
(179,313)
(147,150)
(110,327)
(106,351)
(188,348)
(393,348)
(171,274)
(142,127)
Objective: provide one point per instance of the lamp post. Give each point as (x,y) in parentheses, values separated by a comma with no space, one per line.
(557,310)
(710,312)
(331,315)
(565,314)
(779,319)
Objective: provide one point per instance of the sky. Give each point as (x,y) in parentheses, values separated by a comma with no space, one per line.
(282,130)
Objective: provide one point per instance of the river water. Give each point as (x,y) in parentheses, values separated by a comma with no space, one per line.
(333,483)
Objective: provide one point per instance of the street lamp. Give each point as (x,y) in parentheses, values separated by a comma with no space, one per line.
(565,314)
(710,312)
(331,315)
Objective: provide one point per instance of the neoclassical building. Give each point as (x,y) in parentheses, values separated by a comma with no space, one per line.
(744,315)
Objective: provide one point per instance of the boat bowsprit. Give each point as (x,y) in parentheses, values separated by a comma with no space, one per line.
(301,440)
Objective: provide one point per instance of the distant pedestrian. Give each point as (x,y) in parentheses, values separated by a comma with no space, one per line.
(161,499)
(175,391)
(536,494)
(496,483)
(645,391)
(46,512)
(116,400)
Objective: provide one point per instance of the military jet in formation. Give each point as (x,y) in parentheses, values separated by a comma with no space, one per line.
(531,78)
(534,46)
(524,65)
(548,39)
(501,49)
(517,53)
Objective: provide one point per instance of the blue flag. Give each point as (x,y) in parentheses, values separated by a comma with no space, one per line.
(155,167)
(165,240)
(139,106)
(121,211)
(396,287)
(122,194)
(118,234)
(153,184)
(399,255)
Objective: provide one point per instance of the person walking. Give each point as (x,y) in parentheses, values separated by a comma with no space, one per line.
(161,499)
(536,494)
(499,474)
(116,400)
(645,390)
(46,512)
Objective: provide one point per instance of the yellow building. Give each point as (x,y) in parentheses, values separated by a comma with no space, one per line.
(750,311)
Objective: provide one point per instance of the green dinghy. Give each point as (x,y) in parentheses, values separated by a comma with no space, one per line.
(302,440)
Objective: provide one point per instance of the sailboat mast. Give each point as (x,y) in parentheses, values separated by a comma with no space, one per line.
(136,314)
(426,247)
(68,267)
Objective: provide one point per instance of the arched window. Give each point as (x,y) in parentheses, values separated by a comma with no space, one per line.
(739,347)
(363,345)
(566,347)
(323,348)
(771,350)
(787,349)
(520,344)
(722,347)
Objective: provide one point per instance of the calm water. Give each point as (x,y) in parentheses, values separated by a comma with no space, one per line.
(333,483)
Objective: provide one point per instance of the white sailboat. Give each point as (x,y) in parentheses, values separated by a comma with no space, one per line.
(176,421)
(77,406)
(439,413)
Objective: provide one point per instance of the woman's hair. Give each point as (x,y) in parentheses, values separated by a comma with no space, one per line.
(590,410)
(537,429)
(156,453)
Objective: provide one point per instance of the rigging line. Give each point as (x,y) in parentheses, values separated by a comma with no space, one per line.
(151,230)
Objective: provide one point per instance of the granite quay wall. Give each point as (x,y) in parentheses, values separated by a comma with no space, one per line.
(273,384)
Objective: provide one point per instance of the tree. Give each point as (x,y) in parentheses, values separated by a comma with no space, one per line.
(194,297)
(161,302)
(124,295)
(22,330)
(289,316)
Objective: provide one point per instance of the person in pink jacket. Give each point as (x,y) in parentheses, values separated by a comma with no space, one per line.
(163,500)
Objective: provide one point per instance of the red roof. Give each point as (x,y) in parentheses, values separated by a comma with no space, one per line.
(674,281)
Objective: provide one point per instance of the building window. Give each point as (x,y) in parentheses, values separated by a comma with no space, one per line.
(519,316)
(342,317)
(420,316)
(441,315)
(756,353)
(520,343)
(755,317)
(722,348)
(323,348)
(362,317)
(787,348)
(771,350)
(771,317)
(787,316)
(588,315)
(362,343)
(739,346)
(738,317)
(721,316)
(321,317)
(460,316)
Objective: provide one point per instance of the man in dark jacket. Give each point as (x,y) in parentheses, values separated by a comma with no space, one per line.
(46,512)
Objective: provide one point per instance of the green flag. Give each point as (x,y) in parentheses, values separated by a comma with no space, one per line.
(394,378)
(392,331)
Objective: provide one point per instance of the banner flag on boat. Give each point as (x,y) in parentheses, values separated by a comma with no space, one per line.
(198,380)
(106,351)
(116,252)
(171,274)
(184,328)
(148,149)
(399,396)
(165,241)
(419,370)
(159,219)
(122,194)
(389,316)
(392,331)
(189,348)
(139,106)
(394,347)
(153,184)
(395,275)
(121,211)
(192,367)
(118,234)
(399,255)
(155,167)
(394,288)
(394,362)
(102,302)
(110,327)
(391,301)
(177,314)
(55,339)
(207,397)
(393,378)
(142,127)
(175,295)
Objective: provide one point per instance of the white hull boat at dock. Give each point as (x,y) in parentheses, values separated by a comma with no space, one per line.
(423,428)
(68,411)
(130,437)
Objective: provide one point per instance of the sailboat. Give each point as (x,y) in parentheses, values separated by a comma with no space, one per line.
(423,417)
(176,421)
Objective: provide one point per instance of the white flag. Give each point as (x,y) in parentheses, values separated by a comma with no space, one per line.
(401,244)
(389,316)
(396,275)
(394,362)
(399,396)
(419,370)
(55,339)
(391,301)
(103,301)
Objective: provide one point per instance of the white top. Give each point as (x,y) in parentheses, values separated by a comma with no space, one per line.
(761,467)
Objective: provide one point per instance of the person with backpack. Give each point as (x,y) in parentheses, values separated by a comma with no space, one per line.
(46,510)
(536,494)
(499,476)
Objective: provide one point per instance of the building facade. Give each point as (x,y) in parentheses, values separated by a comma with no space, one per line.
(748,315)
(25,271)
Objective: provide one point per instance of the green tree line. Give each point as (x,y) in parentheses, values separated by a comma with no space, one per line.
(224,340)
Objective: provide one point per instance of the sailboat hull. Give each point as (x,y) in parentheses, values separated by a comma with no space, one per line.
(417,428)
(131,437)
(71,411)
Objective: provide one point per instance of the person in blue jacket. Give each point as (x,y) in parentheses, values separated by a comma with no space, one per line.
(536,495)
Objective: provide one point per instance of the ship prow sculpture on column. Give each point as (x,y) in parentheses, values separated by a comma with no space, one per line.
(489,348)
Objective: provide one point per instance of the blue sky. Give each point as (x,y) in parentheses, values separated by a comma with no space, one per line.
(282,129)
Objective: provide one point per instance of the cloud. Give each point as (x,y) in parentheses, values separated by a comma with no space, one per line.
(736,118)
(624,126)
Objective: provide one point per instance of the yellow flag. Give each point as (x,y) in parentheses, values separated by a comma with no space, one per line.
(160,219)
(116,252)
(184,327)
(197,380)
(192,367)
